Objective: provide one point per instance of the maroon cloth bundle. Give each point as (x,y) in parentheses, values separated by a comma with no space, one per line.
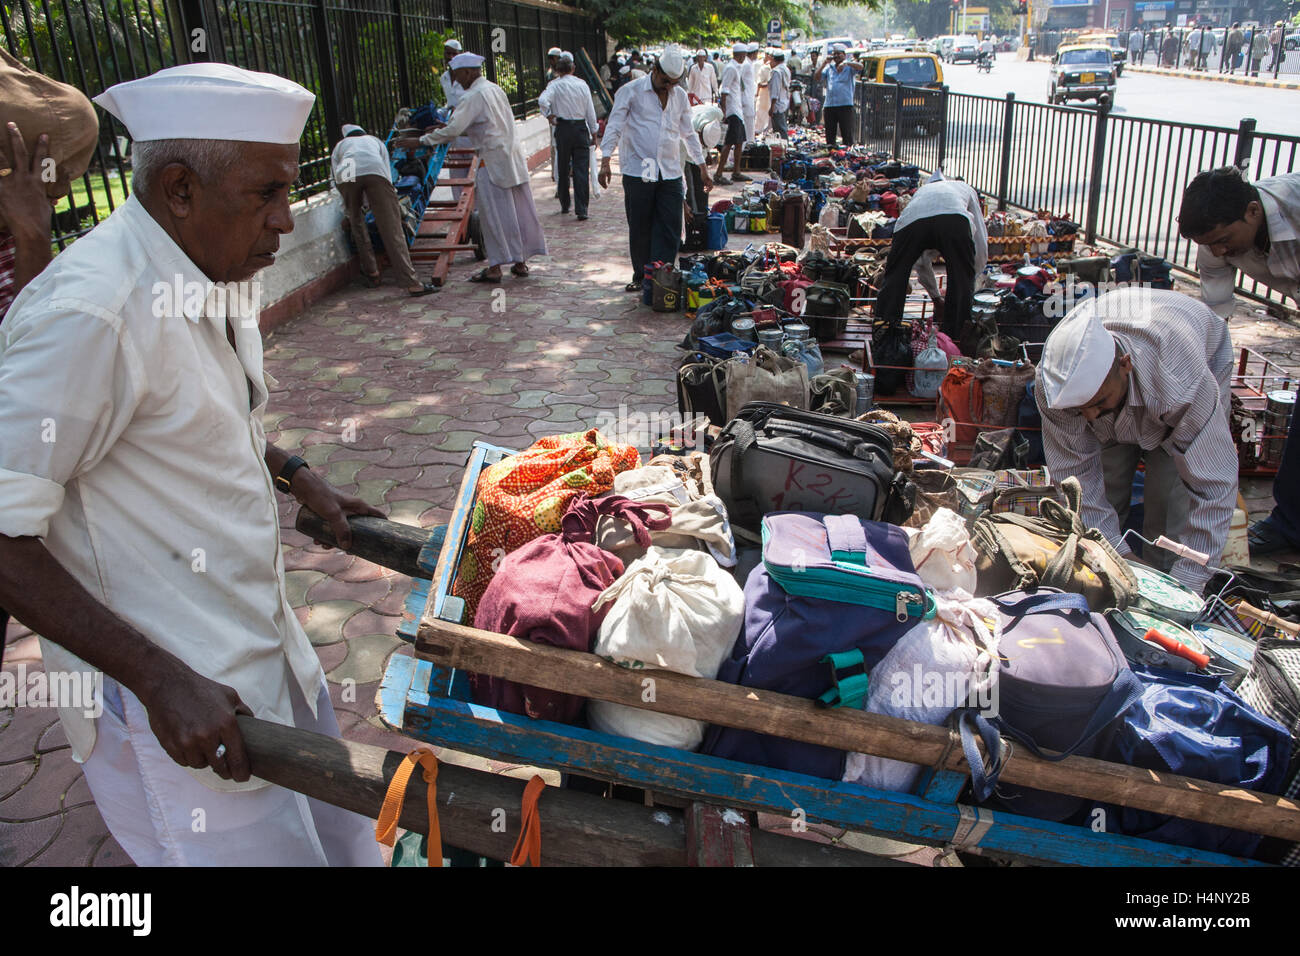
(543,592)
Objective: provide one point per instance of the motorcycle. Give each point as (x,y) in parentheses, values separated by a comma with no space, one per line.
(795,116)
(984,64)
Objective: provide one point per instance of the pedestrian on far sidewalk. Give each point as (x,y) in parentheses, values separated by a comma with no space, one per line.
(837,110)
(1275,41)
(1169,50)
(1135,42)
(1232,50)
(566,104)
(1258,50)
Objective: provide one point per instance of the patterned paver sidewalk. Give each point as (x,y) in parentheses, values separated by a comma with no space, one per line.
(385,394)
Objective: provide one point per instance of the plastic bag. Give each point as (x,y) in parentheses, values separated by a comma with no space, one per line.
(936,667)
(674,610)
(596,191)
(942,553)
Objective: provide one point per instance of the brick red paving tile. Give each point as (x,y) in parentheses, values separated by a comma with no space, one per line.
(332,655)
(111,854)
(22,732)
(20,842)
(52,739)
(44,793)
(15,775)
(363,592)
(368,622)
(81,835)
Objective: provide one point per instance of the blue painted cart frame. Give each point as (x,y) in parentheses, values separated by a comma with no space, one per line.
(433,704)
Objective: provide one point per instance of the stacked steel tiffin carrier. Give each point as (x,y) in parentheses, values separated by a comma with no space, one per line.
(790,536)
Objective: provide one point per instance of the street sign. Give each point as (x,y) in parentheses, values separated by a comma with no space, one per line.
(774,30)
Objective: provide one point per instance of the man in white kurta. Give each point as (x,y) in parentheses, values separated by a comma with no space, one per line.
(451,90)
(702,79)
(139,535)
(763,109)
(511,230)
(749,91)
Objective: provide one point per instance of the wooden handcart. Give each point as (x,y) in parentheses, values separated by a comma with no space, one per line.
(427,697)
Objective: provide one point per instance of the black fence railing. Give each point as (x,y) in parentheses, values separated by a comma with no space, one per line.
(364,59)
(1120,177)
(902,119)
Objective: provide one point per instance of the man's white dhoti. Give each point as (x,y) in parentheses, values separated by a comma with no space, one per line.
(511,230)
(163,816)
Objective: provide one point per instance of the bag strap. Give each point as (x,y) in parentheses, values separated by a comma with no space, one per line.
(983,776)
(1039,603)
(391,811)
(529,845)
(847,540)
(849,681)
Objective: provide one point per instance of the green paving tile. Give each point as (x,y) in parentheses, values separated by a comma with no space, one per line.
(318,455)
(526,346)
(353,383)
(351,329)
(458,441)
(566,413)
(329,373)
(498,386)
(325,622)
(298,583)
(443,364)
(375,395)
(625,376)
(590,365)
(425,424)
(408,510)
(420,354)
(365,661)
(472,374)
(304,363)
(372,490)
(344,472)
(503,336)
(292,437)
(530,398)
(476,331)
(271,420)
(370,338)
(402,408)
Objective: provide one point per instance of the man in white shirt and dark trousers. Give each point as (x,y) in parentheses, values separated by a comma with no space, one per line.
(945,216)
(1142,374)
(702,79)
(362,170)
(566,102)
(143,544)
(731,101)
(451,91)
(749,91)
(649,125)
(1254,227)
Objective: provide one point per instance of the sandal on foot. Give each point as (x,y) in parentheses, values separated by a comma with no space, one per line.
(425,289)
(483,276)
(632,287)
(520,270)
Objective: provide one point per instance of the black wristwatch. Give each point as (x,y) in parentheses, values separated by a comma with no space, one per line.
(284,480)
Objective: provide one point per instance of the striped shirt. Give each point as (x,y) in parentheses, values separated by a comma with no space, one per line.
(1178,399)
(1278,269)
(7,260)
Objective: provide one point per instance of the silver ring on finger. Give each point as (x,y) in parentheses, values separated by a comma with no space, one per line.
(221,751)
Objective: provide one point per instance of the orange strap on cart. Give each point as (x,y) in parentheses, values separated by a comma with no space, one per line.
(386,825)
(529,844)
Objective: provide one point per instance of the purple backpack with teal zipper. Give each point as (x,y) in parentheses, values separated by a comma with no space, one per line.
(833,594)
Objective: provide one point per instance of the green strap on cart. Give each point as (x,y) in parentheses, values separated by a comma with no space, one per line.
(849,680)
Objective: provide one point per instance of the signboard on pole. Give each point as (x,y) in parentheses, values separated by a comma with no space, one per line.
(774,31)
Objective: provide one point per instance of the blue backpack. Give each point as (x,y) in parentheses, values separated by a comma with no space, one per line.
(812,647)
(1195,726)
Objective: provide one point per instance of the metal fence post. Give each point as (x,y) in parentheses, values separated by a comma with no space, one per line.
(898,123)
(943,125)
(1245,143)
(1279,51)
(193,16)
(399,38)
(1004,163)
(325,63)
(1095,175)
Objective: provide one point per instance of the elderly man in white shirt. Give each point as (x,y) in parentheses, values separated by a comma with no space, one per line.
(649,125)
(363,170)
(779,87)
(451,90)
(138,525)
(763,106)
(943,216)
(702,79)
(1144,375)
(512,233)
(566,104)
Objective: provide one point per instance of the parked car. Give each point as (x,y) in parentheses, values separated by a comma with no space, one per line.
(1118,44)
(908,68)
(1082,72)
(964,50)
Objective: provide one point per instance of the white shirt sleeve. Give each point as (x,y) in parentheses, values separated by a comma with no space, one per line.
(465,114)
(50,433)
(979,232)
(544,101)
(616,121)
(689,137)
(1218,279)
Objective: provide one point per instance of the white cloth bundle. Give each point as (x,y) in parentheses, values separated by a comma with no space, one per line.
(942,553)
(935,668)
(830,215)
(672,609)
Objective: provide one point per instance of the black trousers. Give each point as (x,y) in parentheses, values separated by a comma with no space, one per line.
(950,234)
(572,158)
(841,116)
(654,221)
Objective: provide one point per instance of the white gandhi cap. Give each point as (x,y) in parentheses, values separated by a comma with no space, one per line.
(1077,357)
(210,101)
(671,62)
(739,48)
(453,45)
(462,61)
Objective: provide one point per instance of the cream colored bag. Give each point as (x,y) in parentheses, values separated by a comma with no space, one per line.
(671,610)
(765,376)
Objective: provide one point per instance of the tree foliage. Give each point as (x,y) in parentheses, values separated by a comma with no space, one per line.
(694,23)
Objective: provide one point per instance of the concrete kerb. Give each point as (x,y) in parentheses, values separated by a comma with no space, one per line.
(1269,84)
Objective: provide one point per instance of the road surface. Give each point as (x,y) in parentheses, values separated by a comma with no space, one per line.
(1144,95)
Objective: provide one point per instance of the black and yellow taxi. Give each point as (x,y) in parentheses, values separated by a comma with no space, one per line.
(916,67)
(1082,71)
